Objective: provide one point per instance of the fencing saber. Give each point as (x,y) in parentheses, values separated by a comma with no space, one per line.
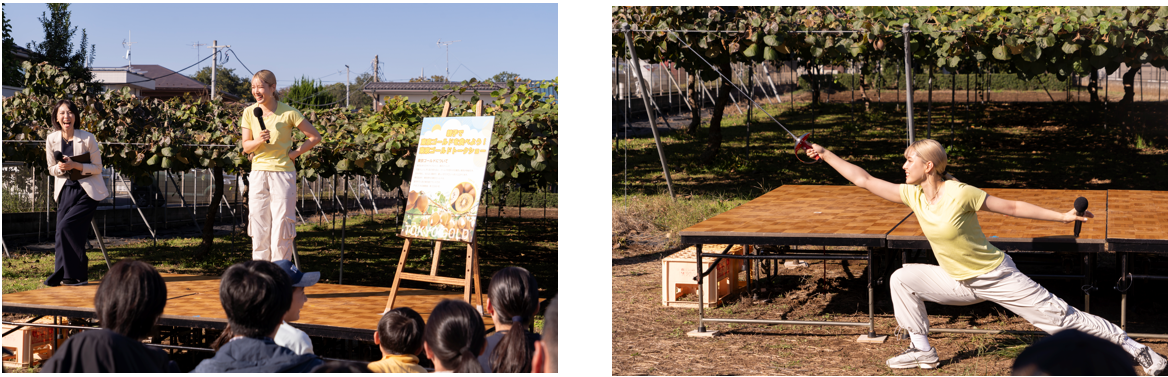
(801,142)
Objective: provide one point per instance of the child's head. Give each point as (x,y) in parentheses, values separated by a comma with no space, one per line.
(299,281)
(256,295)
(400,332)
(130,299)
(514,300)
(455,336)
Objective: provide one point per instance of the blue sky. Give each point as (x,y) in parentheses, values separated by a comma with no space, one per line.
(317,40)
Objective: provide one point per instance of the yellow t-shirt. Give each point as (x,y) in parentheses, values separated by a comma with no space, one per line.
(274,156)
(951,226)
(397,364)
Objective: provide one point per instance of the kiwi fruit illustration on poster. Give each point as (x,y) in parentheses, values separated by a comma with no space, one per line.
(447,181)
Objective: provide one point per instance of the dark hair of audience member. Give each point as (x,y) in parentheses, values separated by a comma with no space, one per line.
(551,334)
(72,109)
(255,295)
(338,366)
(401,330)
(515,296)
(130,298)
(1072,352)
(456,336)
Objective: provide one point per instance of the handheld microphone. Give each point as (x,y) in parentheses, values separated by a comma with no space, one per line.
(259,114)
(1080,207)
(60,156)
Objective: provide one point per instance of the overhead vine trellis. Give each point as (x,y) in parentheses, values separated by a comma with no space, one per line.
(1027,41)
(148,135)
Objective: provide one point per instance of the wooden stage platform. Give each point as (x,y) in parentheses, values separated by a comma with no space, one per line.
(332,310)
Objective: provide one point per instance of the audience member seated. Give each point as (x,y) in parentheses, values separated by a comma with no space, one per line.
(337,366)
(547,350)
(128,303)
(454,337)
(399,334)
(1072,352)
(289,336)
(512,302)
(255,295)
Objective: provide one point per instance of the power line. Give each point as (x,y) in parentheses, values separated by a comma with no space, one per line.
(172,73)
(232,51)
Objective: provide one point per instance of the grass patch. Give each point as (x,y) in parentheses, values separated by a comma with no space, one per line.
(637,215)
(371,251)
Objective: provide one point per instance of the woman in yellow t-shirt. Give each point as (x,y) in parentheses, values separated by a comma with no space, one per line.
(272,181)
(970,269)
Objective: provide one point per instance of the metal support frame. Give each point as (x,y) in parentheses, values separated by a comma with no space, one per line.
(349,187)
(182,197)
(135,201)
(1126,279)
(702,320)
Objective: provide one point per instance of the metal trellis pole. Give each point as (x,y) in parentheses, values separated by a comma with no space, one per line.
(908,83)
(652,122)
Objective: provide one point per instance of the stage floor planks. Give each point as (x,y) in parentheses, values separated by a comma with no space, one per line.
(820,215)
(332,310)
(1137,221)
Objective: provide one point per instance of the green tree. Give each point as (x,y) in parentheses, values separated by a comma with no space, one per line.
(504,77)
(13,76)
(307,93)
(434,78)
(226,82)
(357,98)
(57,48)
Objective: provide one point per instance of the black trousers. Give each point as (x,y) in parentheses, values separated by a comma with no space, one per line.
(74,215)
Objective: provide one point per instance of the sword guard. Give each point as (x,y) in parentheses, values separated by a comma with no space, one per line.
(802,143)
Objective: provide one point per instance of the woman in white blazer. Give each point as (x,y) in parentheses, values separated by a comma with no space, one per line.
(76,199)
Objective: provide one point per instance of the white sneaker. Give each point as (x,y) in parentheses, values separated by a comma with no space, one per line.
(791,265)
(913,357)
(1152,362)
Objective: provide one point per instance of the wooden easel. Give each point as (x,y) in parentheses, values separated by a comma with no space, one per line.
(472,258)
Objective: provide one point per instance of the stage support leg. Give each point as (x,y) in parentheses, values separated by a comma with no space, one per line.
(871,337)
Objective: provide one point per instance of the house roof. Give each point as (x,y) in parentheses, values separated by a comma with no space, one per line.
(423,86)
(166,79)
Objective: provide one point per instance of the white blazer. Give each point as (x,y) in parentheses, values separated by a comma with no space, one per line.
(83,142)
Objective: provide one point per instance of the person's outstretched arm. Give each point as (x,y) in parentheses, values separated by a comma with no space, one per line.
(1018,208)
(858,176)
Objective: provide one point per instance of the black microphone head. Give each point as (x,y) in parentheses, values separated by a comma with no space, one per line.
(60,156)
(259,113)
(1080,204)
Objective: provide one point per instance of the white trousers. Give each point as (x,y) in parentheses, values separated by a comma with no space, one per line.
(272,218)
(914,284)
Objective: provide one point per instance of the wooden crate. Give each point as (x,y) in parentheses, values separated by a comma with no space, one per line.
(678,272)
(31,345)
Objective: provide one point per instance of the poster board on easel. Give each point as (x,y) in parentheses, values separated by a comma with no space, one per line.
(445,188)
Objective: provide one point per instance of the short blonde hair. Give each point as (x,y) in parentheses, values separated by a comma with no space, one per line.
(932,151)
(268,78)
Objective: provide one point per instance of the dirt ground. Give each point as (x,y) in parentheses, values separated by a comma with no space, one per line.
(650,339)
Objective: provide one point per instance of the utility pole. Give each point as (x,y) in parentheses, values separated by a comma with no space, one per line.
(376,97)
(447,44)
(346,86)
(215,64)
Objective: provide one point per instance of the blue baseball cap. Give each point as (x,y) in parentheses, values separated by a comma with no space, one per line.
(298,278)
